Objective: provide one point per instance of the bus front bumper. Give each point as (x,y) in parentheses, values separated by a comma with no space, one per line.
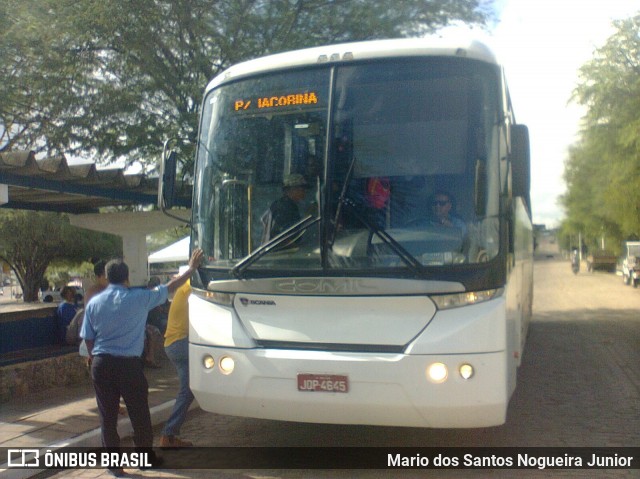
(381,389)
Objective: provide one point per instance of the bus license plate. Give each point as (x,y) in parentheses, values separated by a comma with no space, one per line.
(324,383)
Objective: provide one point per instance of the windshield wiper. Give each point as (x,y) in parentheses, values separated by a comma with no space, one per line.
(406,257)
(341,201)
(274,243)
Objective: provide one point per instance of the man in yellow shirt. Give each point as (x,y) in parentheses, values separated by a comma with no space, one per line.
(176,345)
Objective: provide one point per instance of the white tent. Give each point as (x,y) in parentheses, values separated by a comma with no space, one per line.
(178,251)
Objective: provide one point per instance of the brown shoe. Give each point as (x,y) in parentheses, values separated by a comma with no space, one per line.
(173,441)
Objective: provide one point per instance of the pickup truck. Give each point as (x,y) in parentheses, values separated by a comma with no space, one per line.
(631,263)
(602,260)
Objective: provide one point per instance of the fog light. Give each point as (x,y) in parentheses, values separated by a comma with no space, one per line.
(466,371)
(437,372)
(227,364)
(208,362)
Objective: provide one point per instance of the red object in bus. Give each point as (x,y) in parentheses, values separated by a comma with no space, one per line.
(378,192)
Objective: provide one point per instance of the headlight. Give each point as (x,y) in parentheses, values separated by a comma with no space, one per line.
(437,373)
(466,371)
(448,301)
(208,362)
(226,365)
(223,299)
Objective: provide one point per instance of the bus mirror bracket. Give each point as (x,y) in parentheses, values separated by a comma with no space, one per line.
(167,183)
(167,192)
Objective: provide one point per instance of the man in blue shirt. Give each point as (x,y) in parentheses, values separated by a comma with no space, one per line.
(114,330)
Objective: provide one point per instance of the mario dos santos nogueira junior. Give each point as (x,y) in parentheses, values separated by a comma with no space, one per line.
(509,461)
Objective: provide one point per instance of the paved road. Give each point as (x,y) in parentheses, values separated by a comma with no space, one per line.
(579,385)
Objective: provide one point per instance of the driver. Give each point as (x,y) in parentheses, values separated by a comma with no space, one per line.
(442,209)
(284,212)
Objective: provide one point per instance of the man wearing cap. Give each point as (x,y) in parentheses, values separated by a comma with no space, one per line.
(284,212)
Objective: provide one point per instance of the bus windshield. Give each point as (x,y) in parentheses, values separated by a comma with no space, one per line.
(364,168)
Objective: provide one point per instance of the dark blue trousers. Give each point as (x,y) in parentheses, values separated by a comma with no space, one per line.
(115,376)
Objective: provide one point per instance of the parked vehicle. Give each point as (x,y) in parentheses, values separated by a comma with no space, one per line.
(602,260)
(50,295)
(631,263)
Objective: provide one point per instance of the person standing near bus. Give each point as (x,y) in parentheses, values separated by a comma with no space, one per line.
(114,330)
(100,283)
(176,345)
(65,312)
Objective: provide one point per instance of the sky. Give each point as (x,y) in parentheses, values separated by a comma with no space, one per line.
(542,44)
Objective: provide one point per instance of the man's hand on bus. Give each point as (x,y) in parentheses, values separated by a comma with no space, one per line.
(194,263)
(196,259)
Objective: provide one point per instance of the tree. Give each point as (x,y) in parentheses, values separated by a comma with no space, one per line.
(113,79)
(603,169)
(30,241)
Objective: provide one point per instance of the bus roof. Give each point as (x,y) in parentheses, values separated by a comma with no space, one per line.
(347,52)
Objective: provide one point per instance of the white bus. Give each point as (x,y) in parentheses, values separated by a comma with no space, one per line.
(368,308)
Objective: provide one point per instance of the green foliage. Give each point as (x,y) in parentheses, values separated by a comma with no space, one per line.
(603,170)
(112,79)
(60,273)
(30,241)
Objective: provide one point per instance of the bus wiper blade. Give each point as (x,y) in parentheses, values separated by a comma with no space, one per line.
(406,257)
(269,246)
(341,200)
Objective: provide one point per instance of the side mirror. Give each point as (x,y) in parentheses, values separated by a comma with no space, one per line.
(520,163)
(167,184)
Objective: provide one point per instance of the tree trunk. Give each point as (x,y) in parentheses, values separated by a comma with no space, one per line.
(30,290)
(30,276)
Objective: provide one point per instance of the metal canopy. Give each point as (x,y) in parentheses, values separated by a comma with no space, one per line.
(52,184)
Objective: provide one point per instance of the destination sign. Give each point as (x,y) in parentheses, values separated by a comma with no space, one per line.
(267,102)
